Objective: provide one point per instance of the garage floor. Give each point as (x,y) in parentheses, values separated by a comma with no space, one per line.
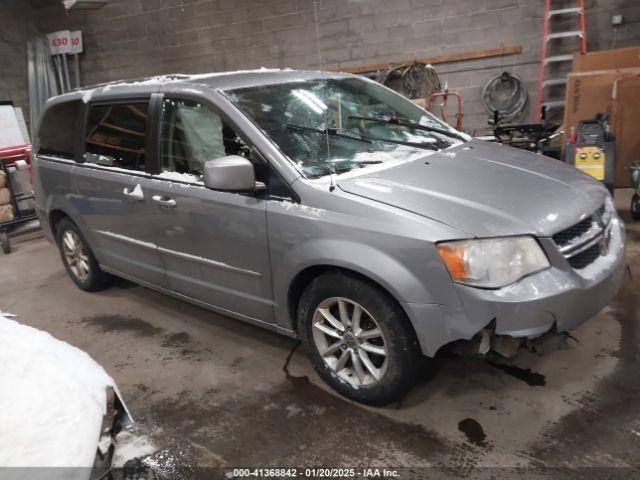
(216,392)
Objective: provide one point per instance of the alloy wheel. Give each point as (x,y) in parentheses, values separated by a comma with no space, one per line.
(350,341)
(75,255)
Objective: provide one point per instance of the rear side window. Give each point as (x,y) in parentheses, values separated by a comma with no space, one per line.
(57,129)
(116,135)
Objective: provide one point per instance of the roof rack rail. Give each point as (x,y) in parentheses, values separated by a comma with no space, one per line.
(172,76)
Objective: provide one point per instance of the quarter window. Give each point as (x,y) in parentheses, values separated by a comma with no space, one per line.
(57,130)
(193,134)
(116,135)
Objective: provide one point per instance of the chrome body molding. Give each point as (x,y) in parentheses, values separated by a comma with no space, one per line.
(185,256)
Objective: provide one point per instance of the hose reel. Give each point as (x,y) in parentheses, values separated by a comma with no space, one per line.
(505,98)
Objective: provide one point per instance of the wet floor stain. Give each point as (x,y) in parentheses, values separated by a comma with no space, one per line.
(532,379)
(183,347)
(236,362)
(122,323)
(296,381)
(473,431)
(297,417)
(313,425)
(175,340)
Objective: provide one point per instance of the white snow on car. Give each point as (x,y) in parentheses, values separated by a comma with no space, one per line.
(53,400)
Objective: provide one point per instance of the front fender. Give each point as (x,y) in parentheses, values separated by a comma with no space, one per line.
(395,276)
(374,264)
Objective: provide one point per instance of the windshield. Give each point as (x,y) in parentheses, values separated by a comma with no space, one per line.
(338,125)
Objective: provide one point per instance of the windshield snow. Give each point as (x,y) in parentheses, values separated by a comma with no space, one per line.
(340,125)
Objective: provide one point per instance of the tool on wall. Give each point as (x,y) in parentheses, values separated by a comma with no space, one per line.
(551,87)
(412,79)
(444,109)
(592,149)
(505,98)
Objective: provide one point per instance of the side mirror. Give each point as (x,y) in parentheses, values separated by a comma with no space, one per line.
(232,173)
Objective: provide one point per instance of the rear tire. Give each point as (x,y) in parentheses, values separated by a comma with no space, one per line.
(78,259)
(635,207)
(358,338)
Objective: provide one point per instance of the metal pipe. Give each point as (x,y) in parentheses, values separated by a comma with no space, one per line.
(66,71)
(76,61)
(57,62)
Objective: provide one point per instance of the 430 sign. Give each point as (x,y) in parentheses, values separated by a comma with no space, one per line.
(65,41)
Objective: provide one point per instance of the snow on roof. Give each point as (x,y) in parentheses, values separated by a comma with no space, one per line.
(53,400)
(187,77)
(237,78)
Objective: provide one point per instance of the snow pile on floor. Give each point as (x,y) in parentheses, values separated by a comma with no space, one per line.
(52,400)
(130,445)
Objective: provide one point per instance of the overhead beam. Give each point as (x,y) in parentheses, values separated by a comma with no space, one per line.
(452,57)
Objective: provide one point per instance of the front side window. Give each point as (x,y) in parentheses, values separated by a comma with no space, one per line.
(342,124)
(57,130)
(192,134)
(116,135)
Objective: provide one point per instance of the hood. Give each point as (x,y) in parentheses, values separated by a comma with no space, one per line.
(485,189)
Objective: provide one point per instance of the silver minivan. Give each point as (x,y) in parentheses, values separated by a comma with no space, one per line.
(326,207)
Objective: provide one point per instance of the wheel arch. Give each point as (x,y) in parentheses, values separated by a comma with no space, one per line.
(303,278)
(55,217)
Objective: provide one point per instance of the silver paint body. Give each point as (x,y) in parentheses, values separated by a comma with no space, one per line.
(238,254)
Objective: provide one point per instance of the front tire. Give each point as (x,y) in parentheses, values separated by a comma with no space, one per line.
(78,259)
(358,338)
(635,207)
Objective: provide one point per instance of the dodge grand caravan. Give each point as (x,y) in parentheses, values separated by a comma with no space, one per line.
(323,206)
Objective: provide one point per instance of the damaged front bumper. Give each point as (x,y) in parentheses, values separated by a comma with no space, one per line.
(559,298)
(114,420)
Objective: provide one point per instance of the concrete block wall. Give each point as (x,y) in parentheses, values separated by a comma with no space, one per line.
(16,27)
(131,38)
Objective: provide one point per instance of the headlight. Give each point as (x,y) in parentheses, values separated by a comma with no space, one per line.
(492,262)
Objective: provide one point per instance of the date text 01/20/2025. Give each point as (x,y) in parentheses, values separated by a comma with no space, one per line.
(312,473)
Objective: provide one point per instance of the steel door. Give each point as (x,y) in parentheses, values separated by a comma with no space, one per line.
(116,208)
(214,246)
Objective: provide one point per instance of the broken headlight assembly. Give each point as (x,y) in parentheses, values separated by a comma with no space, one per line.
(492,262)
(607,211)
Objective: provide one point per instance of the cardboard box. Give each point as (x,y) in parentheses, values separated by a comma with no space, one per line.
(590,93)
(6,213)
(626,121)
(5,196)
(607,60)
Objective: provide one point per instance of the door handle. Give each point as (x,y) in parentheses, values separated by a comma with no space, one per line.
(136,193)
(164,201)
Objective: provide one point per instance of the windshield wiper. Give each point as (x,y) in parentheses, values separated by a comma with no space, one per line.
(405,122)
(337,132)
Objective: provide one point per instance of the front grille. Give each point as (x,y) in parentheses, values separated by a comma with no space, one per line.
(579,242)
(585,258)
(565,237)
